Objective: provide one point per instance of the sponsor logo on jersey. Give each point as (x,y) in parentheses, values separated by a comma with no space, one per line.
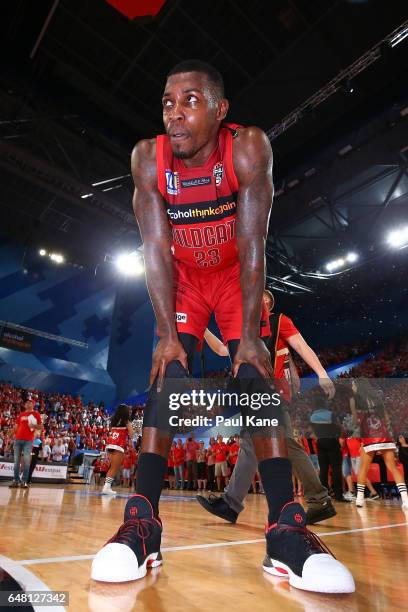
(172,182)
(196,182)
(206,211)
(218,173)
(180,317)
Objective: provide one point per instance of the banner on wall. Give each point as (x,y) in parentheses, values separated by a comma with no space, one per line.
(44,472)
(16,339)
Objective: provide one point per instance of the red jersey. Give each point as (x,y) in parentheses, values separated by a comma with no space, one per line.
(201,204)
(23,430)
(372,426)
(118,439)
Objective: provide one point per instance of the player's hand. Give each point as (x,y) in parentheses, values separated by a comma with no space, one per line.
(167,350)
(255,353)
(327,386)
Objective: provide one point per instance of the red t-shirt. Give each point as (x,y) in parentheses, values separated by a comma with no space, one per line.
(170,459)
(191,450)
(23,431)
(354,445)
(234,448)
(220,452)
(178,454)
(286,330)
(127,461)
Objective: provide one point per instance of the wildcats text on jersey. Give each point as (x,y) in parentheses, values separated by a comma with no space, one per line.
(208,236)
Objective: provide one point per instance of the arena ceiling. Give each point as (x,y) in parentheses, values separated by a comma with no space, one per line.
(80,83)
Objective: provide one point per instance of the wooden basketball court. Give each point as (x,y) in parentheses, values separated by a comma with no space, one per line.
(50,534)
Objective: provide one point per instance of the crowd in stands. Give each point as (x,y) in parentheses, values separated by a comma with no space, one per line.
(69,424)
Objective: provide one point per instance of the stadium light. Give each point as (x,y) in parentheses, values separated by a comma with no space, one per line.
(57,258)
(351,257)
(42,252)
(130,264)
(398,238)
(335,264)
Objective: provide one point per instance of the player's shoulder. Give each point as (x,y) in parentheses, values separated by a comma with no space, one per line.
(251,149)
(144,155)
(251,136)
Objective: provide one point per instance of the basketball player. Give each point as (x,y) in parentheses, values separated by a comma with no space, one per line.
(369,413)
(203,194)
(230,504)
(121,431)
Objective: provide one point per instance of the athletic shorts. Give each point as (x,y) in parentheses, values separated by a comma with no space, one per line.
(378,444)
(346,466)
(126,473)
(221,468)
(114,447)
(199,295)
(201,471)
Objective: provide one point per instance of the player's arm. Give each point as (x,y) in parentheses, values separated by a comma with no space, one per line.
(130,429)
(252,156)
(215,344)
(155,231)
(294,376)
(299,344)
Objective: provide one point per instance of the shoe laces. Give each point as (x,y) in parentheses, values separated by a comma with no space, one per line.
(312,540)
(141,527)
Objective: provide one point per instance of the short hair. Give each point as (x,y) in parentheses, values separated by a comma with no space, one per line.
(195,65)
(270,296)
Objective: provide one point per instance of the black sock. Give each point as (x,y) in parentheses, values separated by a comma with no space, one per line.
(151,470)
(276,476)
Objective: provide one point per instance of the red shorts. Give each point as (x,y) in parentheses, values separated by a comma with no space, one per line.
(199,295)
(378,444)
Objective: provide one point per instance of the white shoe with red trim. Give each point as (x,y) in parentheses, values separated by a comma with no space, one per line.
(294,552)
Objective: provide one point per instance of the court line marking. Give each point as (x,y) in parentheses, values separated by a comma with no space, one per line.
(28,581)
(211,545)
(127,495)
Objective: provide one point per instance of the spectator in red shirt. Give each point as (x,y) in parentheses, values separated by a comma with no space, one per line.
(170,466)
(233,452)
(179,455)
(191,447)
(27,422)
(126,467)
(221,467)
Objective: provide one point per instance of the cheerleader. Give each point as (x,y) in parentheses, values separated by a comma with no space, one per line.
(120,431)
(369,413)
